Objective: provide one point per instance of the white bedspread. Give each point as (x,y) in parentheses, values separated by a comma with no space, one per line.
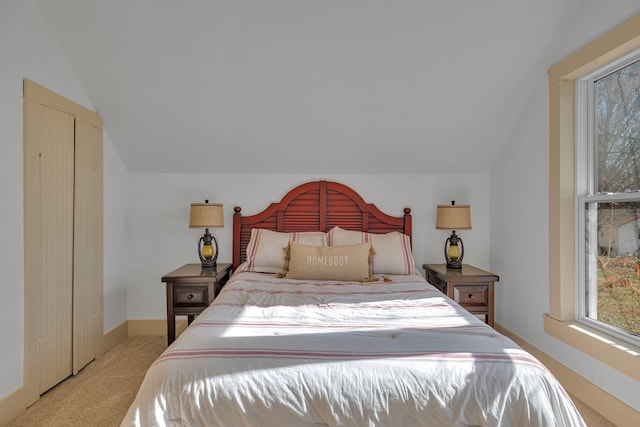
(277,352)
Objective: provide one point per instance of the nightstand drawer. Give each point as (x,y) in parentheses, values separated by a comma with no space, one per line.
(191,296)
(471,294)
(190,289)
(469,286)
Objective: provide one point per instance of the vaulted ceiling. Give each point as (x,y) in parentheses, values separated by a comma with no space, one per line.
(302,86)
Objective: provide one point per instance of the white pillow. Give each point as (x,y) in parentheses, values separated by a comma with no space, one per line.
(266,248)
(392,250)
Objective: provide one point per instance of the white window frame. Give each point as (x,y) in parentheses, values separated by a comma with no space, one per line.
(586,178)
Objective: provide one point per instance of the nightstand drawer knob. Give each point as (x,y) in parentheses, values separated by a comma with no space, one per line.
(190,296)
(470,296)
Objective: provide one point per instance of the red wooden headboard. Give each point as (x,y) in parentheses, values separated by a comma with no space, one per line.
(316,206)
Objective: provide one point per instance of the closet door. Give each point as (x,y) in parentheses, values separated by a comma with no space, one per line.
(56,230)
(87,295)
(62,238)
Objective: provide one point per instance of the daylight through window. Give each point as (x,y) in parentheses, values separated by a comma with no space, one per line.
(608,150)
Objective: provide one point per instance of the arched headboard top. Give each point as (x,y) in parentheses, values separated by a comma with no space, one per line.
(316,206)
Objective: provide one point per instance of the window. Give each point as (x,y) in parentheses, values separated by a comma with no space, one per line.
(608,190)
(563,320)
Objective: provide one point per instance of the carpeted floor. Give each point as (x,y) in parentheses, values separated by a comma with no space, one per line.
(102,392)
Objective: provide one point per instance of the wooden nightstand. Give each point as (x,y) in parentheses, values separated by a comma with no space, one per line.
(469,286)
(190,289)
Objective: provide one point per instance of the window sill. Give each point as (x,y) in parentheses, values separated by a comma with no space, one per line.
(616,353)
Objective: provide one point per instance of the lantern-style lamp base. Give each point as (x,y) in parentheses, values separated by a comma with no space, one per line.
(454,251)
(208,249)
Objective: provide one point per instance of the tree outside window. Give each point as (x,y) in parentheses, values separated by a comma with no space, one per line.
(612,209)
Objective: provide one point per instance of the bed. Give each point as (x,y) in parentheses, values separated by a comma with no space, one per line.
(356,346)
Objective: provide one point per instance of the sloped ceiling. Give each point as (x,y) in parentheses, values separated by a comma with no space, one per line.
(302,86)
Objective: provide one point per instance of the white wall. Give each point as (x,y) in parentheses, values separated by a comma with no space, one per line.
(519,214)
(28,50)
(116,236)
(161,240)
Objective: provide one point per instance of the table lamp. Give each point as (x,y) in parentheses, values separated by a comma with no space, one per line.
(453,217)
(207,215)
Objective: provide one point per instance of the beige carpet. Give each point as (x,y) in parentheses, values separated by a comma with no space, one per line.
(102,392)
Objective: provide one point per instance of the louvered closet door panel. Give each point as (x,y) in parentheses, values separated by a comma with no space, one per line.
(56,205)
(87,244)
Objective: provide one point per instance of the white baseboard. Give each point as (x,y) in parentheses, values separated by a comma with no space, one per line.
(599,400)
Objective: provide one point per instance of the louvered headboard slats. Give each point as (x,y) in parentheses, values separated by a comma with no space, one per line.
(316,206)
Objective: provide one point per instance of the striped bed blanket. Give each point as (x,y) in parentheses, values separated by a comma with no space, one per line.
(280,352)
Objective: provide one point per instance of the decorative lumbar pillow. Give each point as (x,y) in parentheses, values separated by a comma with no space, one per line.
(348,262)
(265,250)
(393,250)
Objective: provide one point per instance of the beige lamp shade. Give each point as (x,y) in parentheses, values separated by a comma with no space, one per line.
(206,215)
(453,217)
